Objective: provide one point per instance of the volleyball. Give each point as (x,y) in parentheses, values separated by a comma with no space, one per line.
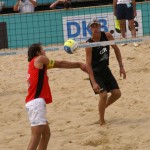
(70,46)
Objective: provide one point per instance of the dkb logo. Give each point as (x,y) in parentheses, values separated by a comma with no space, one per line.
(78,29)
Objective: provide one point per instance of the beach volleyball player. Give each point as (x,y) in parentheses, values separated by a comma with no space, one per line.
(101,78)
(39,93)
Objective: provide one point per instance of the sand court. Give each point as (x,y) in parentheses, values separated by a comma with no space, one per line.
(73,114)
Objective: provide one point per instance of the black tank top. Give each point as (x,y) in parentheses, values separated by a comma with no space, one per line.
(100,54)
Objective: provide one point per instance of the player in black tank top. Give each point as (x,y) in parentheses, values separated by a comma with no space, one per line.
(101,78)
(100,54)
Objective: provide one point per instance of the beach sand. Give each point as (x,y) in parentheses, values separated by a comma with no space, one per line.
(73,114)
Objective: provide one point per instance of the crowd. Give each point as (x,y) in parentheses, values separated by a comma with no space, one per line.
(24,6)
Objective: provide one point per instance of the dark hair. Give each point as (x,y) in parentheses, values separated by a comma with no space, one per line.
(33,50)
(67,5)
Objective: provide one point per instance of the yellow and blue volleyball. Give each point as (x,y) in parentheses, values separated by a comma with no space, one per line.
(70,46)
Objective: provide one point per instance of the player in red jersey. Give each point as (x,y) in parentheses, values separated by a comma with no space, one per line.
(39,93)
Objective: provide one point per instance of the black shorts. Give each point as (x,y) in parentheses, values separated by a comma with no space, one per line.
(106,80)
(124,11)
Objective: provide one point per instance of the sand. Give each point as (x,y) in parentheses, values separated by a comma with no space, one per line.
(74,110)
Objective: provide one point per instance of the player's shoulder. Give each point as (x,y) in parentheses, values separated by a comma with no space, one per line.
(89,40)
(41,58)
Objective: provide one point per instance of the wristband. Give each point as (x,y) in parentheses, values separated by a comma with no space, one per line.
(50,64)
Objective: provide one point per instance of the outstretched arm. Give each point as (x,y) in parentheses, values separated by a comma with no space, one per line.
(69,65)
(118,55)
(50,63)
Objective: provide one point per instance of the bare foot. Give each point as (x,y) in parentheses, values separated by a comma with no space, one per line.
(102,123)
(99,122)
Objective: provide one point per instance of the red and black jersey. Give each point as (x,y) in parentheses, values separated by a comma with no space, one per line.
(38,86)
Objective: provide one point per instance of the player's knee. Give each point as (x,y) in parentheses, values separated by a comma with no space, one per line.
(103,95)
(48,135)
(118,94)
(131,25)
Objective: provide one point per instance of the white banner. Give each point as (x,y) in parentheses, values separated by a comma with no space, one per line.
(76,27)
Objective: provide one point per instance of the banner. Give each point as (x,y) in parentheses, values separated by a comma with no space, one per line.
(76,27)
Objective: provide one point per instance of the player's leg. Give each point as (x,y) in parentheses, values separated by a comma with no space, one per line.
(112,87)
(133,31)
(120,15)
(115,95)
(101,106)
(45,138)
(123,28)
(36,132)
(132,28)
(130,17)
(103,96)
(37,115)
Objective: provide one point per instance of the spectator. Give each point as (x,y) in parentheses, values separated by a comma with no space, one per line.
(61,4)
(25,6)
(125,10)
(2,4)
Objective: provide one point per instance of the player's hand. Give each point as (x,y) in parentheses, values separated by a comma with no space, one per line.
(122,72)
(96,87)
